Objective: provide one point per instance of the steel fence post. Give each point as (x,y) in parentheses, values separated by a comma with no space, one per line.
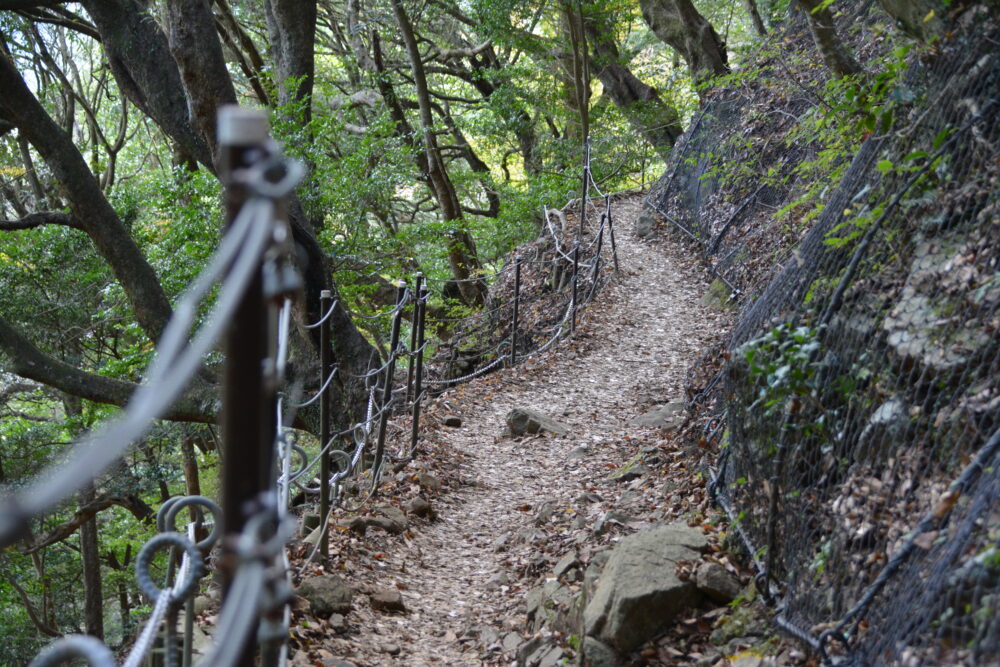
(576,272)
(246,412)
(419,372)
(390,372)
(413,337)
(611,230)
(517,303)
(325,298)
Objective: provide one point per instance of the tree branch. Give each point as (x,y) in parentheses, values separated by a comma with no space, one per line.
(139,509)
(40,219)
(42,626)
(22,358)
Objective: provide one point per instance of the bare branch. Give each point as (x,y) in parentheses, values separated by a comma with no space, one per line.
(40,219)
(139,509)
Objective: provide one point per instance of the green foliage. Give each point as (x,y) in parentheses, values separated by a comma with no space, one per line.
(782,367)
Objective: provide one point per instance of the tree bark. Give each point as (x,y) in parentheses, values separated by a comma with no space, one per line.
(292,27)
(837,57)
(140,59)
(462,250)
(658,122)
(679,24)
(87,201)
(93,593)
(754,12)
(195,46)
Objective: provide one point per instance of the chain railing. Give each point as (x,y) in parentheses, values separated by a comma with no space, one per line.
(251,315)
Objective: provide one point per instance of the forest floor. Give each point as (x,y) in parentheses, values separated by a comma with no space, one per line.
(507,509)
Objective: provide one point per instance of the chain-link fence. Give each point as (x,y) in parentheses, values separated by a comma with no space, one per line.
(860,453)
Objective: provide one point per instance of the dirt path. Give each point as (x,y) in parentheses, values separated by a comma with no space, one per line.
(460,575)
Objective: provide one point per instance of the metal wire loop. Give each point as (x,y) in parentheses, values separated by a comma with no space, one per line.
(198,502)
(196,567)
(75,647)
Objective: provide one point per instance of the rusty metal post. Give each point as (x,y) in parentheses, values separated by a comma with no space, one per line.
(246,413)
(595,274)
(413,338)
(517,303)
(576,273)
(390,372)
(586,192)
(611,230)
(325,299)
(418,378)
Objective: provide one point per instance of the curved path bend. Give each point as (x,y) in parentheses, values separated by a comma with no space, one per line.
(462,576)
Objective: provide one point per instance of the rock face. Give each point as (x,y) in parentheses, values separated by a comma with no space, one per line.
(524,420)
(638,593)
(327,594)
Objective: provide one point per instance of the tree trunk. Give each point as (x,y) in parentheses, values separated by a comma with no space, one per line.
(93,594)
(754,13)
(912,16)
(88,203)
(658,122)
(462,250)
(292,27)
(836,56)
(679,24)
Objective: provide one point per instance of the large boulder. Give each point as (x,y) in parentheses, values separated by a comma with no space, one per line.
(639,594)
(327,594)
(524,420)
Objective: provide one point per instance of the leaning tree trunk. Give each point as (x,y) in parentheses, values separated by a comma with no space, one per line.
(679,24)
(836,56)
(658,122)
(754,12)
(462,250)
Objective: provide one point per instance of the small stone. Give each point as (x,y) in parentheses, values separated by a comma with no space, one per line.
(566,563)
(488,636)
(608,518)
(309,523)
(588,498)
(420,508)
(545,512)
(359,525)
(598,654)
(497,580)
(392,521)
(338,623)
(579,453)
(510,642)
(327,594)
(337,662)
(202,603)
(579,522)
(664,417)
(717,582)
(428,481)
(522,420)
(390,648)
(387,599)
(629,472)
(452,421)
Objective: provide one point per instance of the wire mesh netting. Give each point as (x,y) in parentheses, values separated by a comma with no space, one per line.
(861,453)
